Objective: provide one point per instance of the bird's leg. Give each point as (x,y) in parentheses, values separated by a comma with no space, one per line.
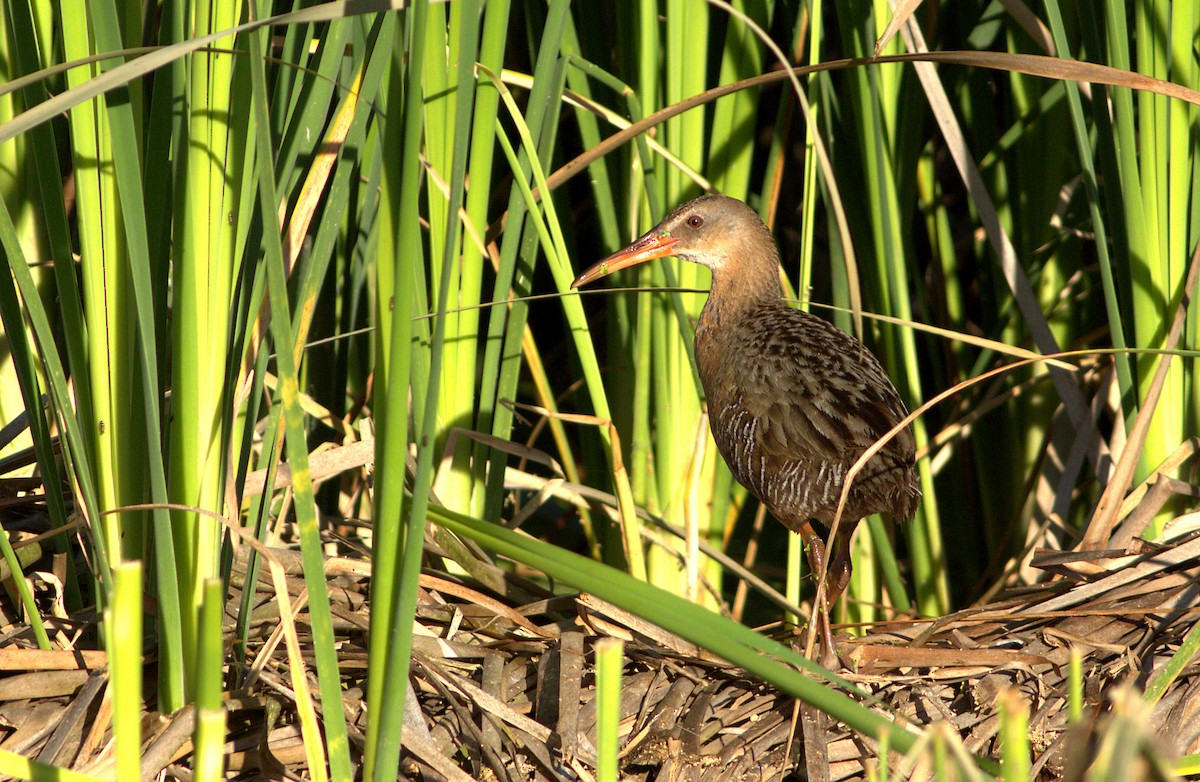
(814,547)
(840,566)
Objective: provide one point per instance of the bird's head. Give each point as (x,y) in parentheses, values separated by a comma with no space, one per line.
(716,231)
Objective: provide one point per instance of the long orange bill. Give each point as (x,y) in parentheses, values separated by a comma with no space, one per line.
(652,245)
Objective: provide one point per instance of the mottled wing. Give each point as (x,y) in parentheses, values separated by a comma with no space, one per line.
(807,400)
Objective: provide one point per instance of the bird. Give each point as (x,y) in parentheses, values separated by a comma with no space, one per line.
(793,401)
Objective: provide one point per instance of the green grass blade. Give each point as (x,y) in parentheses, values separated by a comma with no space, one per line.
(1014,737)
(74,449)
(610,659)
(394,583)
(208,739)
(22,767)
(324,646)
(123,619)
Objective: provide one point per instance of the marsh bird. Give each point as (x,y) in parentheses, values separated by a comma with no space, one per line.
(793,401)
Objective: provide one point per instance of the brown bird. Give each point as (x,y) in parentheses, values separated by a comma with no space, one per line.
(793,401)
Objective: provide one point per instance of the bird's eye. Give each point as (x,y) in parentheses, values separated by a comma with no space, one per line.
(695,221)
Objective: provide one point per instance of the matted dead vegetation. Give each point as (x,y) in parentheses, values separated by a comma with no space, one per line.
(504,686)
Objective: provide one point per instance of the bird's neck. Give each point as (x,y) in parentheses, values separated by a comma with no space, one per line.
(735,295)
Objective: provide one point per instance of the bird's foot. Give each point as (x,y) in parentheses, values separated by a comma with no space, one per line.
(830,656)
(825,651)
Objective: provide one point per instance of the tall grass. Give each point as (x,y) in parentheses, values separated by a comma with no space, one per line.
(427,155)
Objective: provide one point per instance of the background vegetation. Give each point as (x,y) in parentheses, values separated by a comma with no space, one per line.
(229,234)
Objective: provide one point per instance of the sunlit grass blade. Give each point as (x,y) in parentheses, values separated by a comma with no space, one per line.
(22,767)
(553,244)
(1107,262)
(1168,673)
(506,340)
(108,425)
(16,571)
(397,539)
(609,661)
(74,450)
(355,104)
(209,739)
(124,622)
(40,147)
(484,390)
(399,632)
(336,743)
(1075,687)
(134,360)
(1014,736)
